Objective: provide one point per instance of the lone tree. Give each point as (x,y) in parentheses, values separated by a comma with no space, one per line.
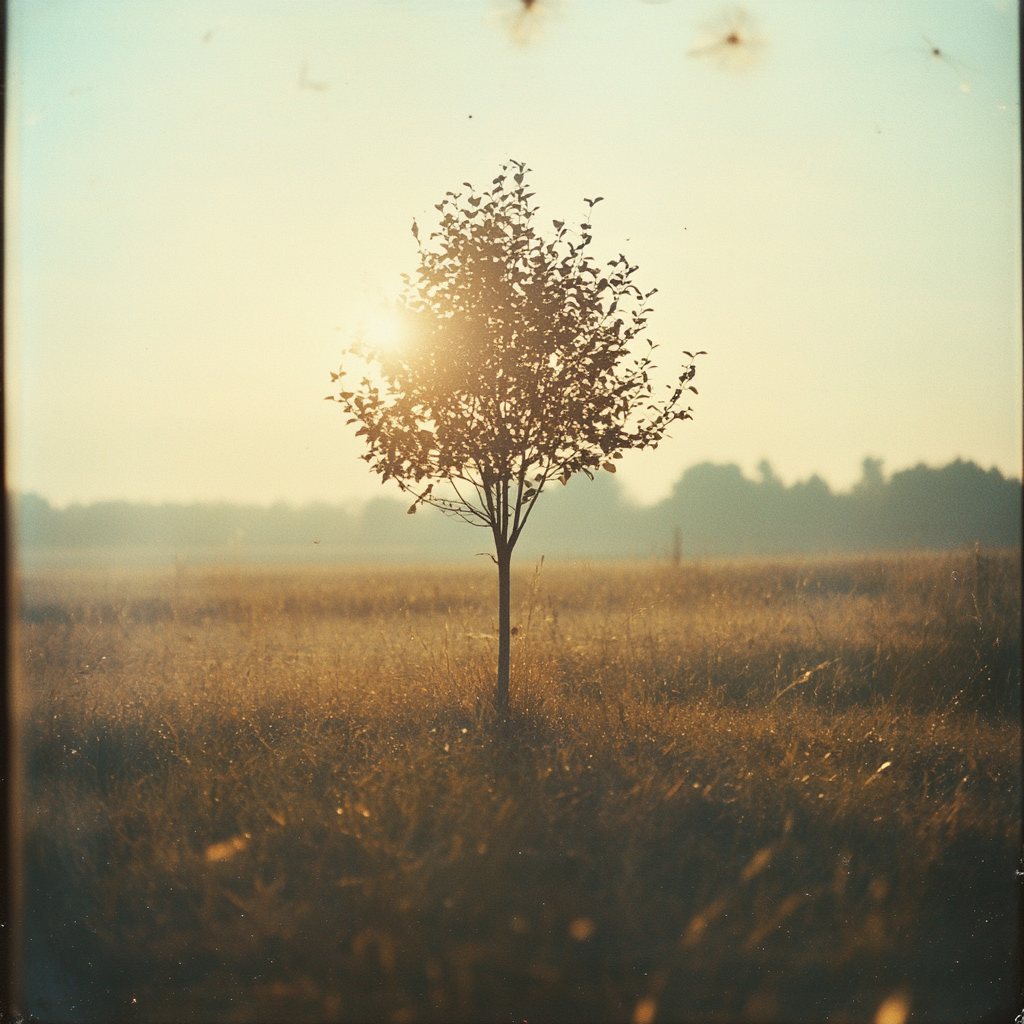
(516,370)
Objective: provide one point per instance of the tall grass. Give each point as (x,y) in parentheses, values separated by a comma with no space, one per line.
(776,790)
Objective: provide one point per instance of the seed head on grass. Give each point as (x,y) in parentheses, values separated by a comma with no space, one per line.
(226,850)
(582,928)
(645,1011)
(757,864)
(894,1010)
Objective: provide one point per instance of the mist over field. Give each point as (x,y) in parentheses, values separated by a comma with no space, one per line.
(713,510)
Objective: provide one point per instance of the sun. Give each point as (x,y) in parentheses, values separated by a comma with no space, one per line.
(385,330)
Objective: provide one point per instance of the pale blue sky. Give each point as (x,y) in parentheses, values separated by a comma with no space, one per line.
(201,194)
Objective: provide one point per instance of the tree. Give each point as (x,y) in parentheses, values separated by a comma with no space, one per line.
(516,370)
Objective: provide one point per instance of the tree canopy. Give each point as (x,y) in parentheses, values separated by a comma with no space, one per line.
(517,367)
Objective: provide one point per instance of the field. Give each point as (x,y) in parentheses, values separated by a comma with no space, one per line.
(785,790)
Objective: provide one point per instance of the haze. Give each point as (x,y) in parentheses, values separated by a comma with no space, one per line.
(204,200)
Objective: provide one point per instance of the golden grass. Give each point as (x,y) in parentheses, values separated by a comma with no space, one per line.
(732,791)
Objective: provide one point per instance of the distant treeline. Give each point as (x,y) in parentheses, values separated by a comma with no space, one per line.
(713,510)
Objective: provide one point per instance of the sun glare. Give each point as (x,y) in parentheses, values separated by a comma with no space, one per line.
(384,330)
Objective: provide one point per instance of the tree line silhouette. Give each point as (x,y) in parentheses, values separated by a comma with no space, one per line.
(712,511)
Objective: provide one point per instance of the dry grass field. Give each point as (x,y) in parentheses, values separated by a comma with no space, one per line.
(785,790)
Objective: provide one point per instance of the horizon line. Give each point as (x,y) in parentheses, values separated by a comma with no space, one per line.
(358,504)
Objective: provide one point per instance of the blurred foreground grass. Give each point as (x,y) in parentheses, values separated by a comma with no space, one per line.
(782,790)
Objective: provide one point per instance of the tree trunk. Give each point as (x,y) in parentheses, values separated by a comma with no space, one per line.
(504,635)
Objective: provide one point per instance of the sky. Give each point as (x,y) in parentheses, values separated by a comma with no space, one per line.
(205,200)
